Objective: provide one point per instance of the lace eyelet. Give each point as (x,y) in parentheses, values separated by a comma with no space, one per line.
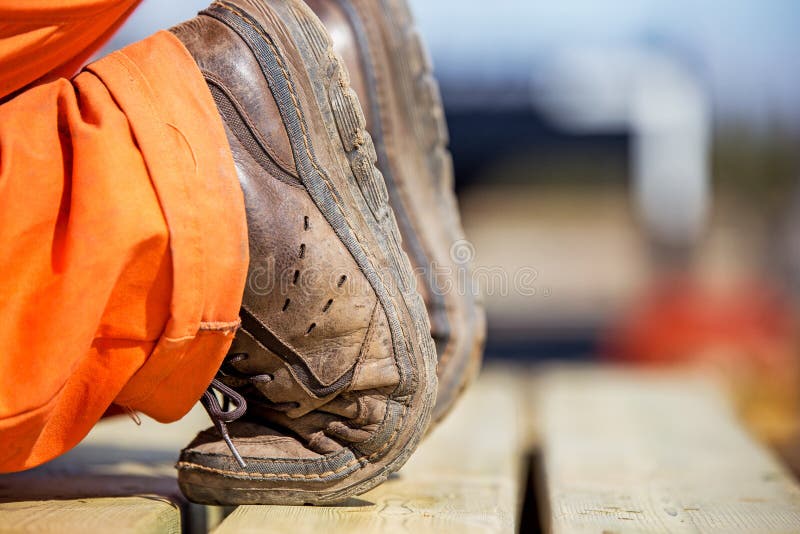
(237,357)
(262,378)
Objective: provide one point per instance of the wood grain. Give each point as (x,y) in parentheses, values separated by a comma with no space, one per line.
(119,514)
(465,478)
(627,451)
(121,478)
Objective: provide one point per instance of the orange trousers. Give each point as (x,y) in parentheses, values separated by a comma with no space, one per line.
(123,242)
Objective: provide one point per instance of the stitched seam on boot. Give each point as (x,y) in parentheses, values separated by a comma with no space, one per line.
(240,474)
(244,18)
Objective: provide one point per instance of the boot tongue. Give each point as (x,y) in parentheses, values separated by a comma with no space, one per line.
(254,439)
(308,430)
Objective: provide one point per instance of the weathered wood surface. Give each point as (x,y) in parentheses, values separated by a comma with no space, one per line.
(466,477)
(121,478)
(109,514)
(627,451)
(622,451)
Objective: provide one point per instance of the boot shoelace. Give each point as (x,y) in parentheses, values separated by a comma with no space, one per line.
(221,414)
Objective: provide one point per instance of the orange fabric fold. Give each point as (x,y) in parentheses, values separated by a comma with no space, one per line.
(47,39)
(123,247)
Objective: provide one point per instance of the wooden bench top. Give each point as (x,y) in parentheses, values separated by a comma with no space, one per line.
(120,476)
(465,477)
(621,451)
(643,452)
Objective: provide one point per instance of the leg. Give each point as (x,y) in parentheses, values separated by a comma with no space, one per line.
(123,248)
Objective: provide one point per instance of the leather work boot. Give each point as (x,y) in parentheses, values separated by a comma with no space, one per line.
(391,72)
(333,372)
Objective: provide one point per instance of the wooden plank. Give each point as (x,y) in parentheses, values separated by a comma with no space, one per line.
(627,451)
(465,478)
(121,478)
(121,514)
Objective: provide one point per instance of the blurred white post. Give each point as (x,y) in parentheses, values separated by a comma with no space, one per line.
(670,152)
(664,108)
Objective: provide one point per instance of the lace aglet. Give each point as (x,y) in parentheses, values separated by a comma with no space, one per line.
(235,452)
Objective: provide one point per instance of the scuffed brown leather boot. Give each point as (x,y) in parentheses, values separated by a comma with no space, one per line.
(334,359)
(391,73)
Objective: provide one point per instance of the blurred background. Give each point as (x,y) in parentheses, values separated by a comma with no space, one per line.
(641,159)
(643,156)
